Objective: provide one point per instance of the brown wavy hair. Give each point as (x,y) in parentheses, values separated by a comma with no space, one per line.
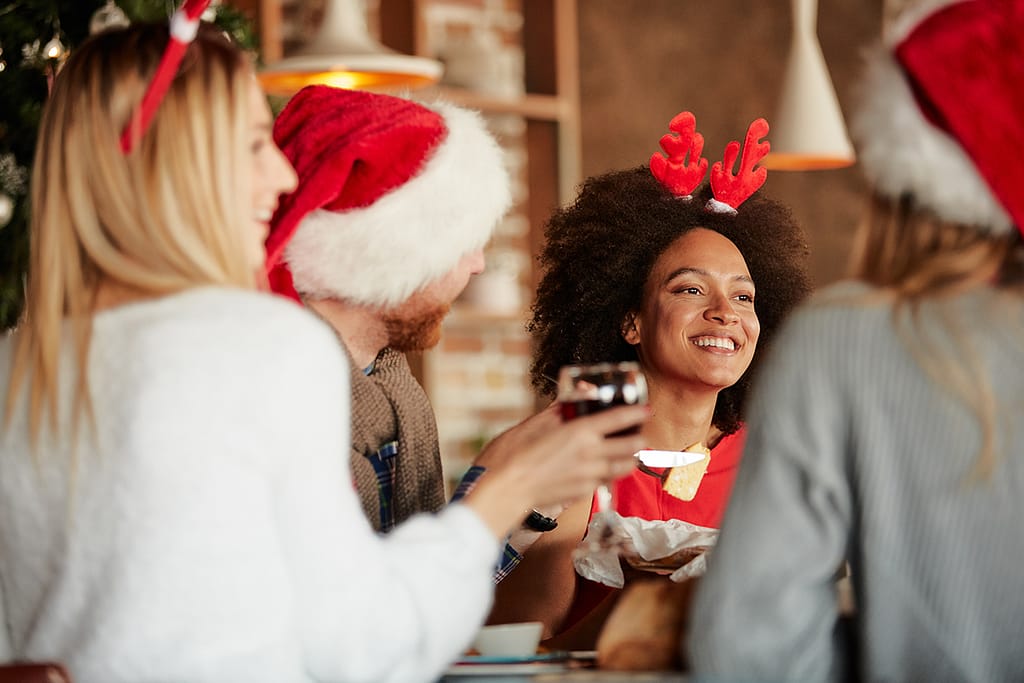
(600,250)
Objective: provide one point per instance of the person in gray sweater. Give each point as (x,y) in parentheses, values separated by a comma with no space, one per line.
(885,428)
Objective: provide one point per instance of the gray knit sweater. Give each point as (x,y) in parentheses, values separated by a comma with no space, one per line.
(853,451)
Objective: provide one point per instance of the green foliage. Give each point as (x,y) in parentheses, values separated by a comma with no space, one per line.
(25,28)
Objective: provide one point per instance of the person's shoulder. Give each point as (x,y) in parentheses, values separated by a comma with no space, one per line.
(266,322)
(240,305)
(239,311)
(227,325)
(836,319)
(842,308)
(846,293)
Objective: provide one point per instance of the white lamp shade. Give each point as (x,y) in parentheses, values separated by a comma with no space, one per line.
(343,54)
(808,131)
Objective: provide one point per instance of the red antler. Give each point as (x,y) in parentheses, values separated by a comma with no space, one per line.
(732,190)
(676,174)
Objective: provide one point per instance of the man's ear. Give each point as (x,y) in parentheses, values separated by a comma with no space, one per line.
(631,329)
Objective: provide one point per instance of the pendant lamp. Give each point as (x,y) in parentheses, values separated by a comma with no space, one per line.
(343,54)
(808,131)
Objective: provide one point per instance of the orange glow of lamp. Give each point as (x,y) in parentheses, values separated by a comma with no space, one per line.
(343,55)
(808,132)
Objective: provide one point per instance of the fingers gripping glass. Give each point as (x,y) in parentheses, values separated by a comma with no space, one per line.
(587,389)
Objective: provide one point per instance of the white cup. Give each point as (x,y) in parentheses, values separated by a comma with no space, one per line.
(509,640)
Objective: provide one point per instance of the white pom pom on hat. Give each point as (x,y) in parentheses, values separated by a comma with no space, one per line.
(391,195)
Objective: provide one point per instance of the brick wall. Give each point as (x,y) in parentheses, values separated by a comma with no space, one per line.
(477,377)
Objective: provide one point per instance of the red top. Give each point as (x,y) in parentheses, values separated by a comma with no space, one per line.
(641,495)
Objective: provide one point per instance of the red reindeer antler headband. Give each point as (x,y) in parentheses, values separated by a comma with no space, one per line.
(682,171)
(183,29)
(680,175)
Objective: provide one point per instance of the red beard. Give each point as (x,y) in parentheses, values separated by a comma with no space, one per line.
(417,332)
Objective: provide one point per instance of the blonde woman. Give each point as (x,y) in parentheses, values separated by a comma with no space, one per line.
(173,498)
(886,427)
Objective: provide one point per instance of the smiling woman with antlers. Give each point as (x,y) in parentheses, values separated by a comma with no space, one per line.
(649,265)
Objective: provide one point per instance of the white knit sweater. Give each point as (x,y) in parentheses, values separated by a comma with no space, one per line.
(209,531)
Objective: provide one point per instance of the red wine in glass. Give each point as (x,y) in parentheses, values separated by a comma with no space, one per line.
(573,409)
(588,389)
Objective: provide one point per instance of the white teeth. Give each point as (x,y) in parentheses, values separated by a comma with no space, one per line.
(718,342)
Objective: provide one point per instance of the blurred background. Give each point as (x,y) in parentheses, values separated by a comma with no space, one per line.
(572,88)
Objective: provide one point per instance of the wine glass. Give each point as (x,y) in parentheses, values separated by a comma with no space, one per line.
(590,388)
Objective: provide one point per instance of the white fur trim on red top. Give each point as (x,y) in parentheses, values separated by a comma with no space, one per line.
(381,254)
(902,152)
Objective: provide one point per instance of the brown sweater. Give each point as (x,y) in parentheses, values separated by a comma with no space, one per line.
(389,404)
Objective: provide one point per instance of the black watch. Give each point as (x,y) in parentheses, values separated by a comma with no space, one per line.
(539,522)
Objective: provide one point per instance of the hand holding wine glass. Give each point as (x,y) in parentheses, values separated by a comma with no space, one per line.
(590,388)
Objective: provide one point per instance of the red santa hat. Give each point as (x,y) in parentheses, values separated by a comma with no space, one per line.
(391,195)
(940,109)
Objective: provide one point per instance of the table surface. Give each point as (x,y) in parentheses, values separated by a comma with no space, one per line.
(574,667)
(572,676)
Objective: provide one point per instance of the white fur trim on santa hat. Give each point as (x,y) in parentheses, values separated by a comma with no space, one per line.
(381,254)
(901,152)
(908,17)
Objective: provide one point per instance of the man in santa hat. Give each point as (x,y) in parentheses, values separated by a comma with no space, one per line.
(394,204)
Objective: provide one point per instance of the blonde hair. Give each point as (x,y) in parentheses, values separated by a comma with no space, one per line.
(913,259)
(164,218)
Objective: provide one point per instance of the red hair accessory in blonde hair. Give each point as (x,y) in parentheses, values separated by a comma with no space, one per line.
(184,26)
(732,190)
(677,173)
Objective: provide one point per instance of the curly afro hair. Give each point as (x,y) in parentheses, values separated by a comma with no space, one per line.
(600,250)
